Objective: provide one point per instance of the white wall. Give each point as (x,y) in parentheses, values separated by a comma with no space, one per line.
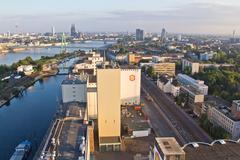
(130,86)
(92,105)
(143,133)
(74,92)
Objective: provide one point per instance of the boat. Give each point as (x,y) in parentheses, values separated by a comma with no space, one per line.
(22,151)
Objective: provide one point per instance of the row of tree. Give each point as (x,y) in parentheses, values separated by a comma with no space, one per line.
(222,82)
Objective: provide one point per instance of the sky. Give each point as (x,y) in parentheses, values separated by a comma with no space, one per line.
(177,16)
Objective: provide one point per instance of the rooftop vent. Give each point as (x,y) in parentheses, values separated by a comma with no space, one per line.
(195,145)
(222,142)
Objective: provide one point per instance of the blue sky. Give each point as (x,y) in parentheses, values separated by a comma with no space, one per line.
(179,16)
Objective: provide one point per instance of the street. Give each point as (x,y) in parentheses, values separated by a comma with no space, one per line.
(184,128)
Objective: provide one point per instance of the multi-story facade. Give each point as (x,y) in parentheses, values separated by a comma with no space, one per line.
(193,96)
(167,148)
(130,86)
(92,97)
(73,30)
(139,35)
(194,66)
(197,84)
(91,63)
(164,68)
(109,112)
(74,90)
(227,118)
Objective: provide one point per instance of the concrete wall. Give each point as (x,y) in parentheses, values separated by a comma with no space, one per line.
(108,99)
(130,86)
(92,104)
(74,92)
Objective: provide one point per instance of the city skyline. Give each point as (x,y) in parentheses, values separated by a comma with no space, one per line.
(216,17)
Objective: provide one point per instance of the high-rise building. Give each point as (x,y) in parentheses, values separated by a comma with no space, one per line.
(139,35)
(179,37)
(109,111)
(53,31)
(73,30)
(163,35)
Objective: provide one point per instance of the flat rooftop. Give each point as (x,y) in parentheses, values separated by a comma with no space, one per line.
(129,67)
(92,79)
(135,120)
(217,151)
(169,146)
(221,105)
(73,81)
(109,140)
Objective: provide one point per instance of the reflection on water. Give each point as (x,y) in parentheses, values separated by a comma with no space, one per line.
(36,53)
(28,116)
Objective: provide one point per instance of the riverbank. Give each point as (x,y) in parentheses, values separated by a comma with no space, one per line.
(45,67)
(24,84)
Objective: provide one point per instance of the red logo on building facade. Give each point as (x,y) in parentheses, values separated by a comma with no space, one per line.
(132,78)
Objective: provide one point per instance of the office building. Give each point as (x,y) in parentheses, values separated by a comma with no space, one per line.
(139,35)
(109,112)
(226,117)
(53,31)
(197,84)
(74,90)
(194,66)
(164,68)
(179,37)
(193,95)
(164,35)
(73,31)
(167,148)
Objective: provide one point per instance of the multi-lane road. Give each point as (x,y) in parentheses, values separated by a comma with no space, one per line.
(163,109)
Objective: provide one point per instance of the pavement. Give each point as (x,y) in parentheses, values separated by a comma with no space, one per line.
(171,117)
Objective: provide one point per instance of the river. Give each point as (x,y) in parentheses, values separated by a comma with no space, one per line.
(29,116)
(36,53)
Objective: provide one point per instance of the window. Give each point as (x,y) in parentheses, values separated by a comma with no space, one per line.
(177,157)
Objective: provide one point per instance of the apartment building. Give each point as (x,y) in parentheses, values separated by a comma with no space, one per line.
(164,68)
(197,84)
(194,66)
(226,117)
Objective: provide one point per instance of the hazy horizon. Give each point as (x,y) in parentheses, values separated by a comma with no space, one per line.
(177,16)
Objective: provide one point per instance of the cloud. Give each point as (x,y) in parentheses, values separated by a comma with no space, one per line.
(195,16)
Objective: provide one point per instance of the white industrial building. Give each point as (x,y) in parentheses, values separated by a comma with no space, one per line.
(92,97)
(130,86)
(74,90)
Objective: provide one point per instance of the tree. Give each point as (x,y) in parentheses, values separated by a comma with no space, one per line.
(150,71)
(188,70)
